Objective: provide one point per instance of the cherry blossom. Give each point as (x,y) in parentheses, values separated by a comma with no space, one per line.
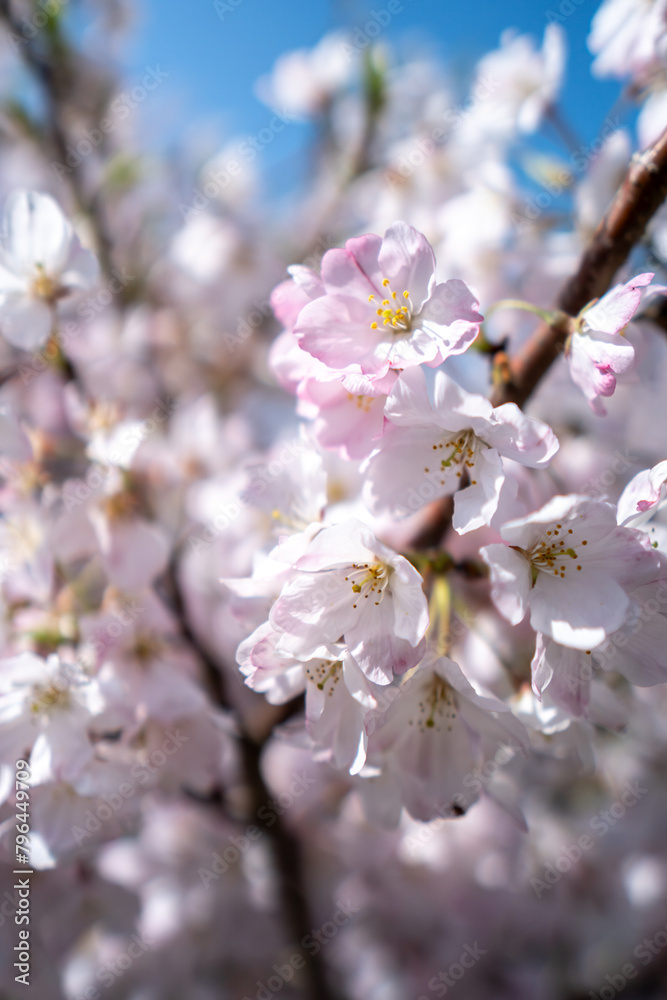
(383,309)
(338,695)
(524,83)
(304,81)
(627,38)
(349,584)
(635,650)
(598,350)
(459,435)
(571,566)
(268,688)
(46,708)
(433,738)
(347,421)
(141,667)
(644,496)
(41,262)
(103,517)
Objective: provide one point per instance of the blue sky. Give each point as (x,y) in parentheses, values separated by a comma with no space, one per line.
(214,57)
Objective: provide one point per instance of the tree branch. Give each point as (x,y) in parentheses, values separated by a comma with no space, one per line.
(285,847)
(59,83)
(641,194)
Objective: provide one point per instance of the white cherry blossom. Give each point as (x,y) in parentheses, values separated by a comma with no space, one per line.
(46,708)
(434,736)
(338,695)
(41,262)
(431,450)
(350,585)
(636,650)
(571,566)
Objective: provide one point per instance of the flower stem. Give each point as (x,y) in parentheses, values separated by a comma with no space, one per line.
(549,316)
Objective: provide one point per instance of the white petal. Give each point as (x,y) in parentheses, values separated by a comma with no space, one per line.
(24,322)
(476,504)
(524,439)
(510,581)
(37,233)
(134,551)
(577,612)
(408,403)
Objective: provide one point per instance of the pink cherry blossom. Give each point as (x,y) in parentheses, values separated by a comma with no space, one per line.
(344,419)
(644,496)
(383,308)
(347,422)
(598,351)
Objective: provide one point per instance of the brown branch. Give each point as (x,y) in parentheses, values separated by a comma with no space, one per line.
(285,846)
(641,194)
(59,83)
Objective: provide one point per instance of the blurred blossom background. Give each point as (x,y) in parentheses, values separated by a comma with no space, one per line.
(190,837)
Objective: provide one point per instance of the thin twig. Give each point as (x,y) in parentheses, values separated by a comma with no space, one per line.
(59,84)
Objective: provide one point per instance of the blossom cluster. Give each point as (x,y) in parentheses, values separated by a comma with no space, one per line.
(349,622)
(313,639)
